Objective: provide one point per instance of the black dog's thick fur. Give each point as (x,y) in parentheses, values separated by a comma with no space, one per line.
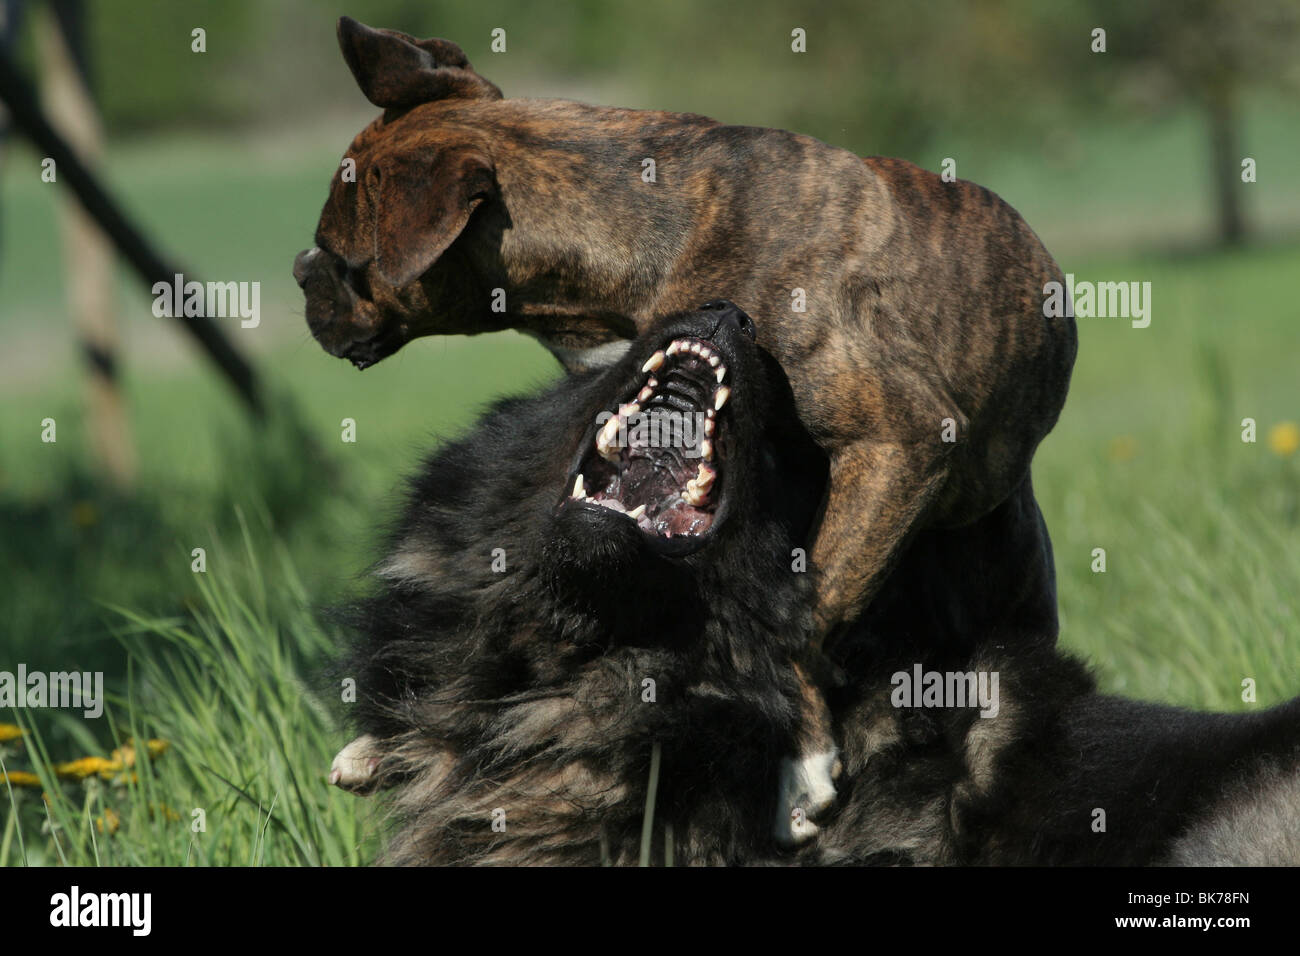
(536,692)
(1062,774)
(521,696)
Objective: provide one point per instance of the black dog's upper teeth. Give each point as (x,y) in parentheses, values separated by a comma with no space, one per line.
(687,376)
(680,390)
(685,383)
(691,347)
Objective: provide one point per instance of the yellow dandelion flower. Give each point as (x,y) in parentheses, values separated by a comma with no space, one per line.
(84,514)
(110,821)
(10,732)
(1123,448)
(168,814)
(125,754)
(1284,439)
(21,778)
(80,769)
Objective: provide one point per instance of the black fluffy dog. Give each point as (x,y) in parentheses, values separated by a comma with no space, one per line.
(593,575)
(1055,773)
(565,597)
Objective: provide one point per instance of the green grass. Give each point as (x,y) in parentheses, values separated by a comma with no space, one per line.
(1147,461)
(1200,529)
(242,782)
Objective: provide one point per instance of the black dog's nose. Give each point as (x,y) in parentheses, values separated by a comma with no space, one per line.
(731,311)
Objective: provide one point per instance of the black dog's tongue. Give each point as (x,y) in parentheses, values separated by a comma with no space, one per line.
(656,477)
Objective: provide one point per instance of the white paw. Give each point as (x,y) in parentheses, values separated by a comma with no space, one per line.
(807,788)
(355,764)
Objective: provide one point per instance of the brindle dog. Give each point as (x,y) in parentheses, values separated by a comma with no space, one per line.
(906,311)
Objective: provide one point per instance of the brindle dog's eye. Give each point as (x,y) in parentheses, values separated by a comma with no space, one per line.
(357,279)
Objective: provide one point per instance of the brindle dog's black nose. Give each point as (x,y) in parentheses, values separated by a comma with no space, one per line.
(730,312)
(301,262)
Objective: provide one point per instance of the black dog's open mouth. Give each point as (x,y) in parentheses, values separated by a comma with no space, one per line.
(659,458)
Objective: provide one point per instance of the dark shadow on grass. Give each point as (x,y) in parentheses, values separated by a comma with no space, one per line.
(81,544)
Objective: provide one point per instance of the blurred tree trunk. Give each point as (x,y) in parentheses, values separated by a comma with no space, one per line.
(1225,159)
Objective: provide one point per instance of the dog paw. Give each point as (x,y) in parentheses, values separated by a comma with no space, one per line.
(354,766)
(807,789)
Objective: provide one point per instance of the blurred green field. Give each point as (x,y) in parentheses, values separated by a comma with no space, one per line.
(1201,530)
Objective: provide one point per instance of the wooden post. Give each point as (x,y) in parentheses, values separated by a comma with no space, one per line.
(88,257)
(143,258)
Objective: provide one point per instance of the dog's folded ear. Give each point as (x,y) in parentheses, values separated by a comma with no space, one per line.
(424,201)
(398,71)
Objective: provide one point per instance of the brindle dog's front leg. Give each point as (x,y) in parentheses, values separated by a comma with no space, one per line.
(878,492)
